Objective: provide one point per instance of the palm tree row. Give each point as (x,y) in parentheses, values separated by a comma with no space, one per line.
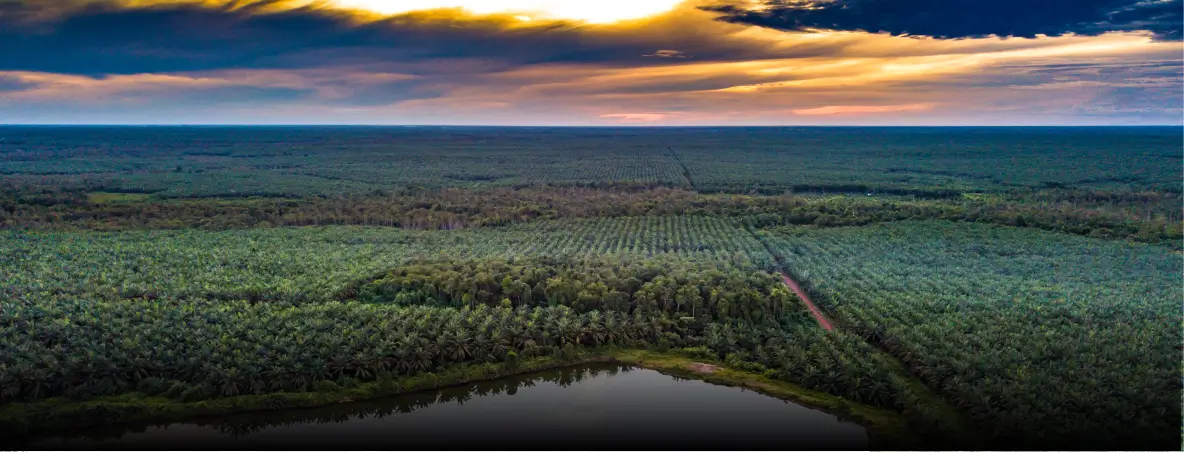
(200,348)
(316,264)
(669,286)
(1039,337)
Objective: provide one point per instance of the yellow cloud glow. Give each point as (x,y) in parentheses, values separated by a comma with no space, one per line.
(860,109)
(599,11)
(642,117)
(693,70)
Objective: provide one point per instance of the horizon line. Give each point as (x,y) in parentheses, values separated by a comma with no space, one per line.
(603,126)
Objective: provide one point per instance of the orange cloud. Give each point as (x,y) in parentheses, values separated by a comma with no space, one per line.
(859,109)
(680,67)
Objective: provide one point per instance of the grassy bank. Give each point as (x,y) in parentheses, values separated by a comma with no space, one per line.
(887,430)
(20,421)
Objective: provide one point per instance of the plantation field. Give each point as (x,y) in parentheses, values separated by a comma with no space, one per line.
(1038,336)
(202,162)
(1011,287)
(1003,321)
(317,263)
(216,314)
(276,161)
(934,161)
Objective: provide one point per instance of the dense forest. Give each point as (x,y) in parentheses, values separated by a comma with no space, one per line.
(1011,287)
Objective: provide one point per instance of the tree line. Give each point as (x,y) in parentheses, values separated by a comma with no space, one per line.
(1151,217)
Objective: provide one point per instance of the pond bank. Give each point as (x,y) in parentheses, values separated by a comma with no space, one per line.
(885,429)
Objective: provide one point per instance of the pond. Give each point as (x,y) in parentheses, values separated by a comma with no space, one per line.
(588,407)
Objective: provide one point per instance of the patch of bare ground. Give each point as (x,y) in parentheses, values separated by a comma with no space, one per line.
(701,368)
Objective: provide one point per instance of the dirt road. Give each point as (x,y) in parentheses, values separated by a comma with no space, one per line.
(793,285)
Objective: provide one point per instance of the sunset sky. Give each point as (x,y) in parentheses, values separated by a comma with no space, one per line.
(592,62)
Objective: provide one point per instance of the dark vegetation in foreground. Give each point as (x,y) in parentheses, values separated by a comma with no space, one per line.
(988,285)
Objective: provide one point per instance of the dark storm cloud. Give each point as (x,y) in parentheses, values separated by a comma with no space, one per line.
(966,18)
(104,37)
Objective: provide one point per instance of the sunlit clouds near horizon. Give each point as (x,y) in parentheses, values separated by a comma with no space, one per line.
(603,11)
(552,62)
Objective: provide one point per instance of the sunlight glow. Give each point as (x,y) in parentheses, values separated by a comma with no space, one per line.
(598,11)
(860,109)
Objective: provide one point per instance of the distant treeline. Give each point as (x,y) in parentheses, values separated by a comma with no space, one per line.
(1145,217)
(1149,217)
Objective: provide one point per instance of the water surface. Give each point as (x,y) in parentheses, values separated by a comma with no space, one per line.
(589,407)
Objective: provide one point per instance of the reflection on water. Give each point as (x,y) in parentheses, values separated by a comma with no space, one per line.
(590,407)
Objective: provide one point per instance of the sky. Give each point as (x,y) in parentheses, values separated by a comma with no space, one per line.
(592,62)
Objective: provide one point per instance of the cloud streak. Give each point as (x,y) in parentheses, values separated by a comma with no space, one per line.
(97,38)
(860,109)
(269,62)
(637,117)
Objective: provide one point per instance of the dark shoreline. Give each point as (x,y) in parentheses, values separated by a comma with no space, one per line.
(41,419)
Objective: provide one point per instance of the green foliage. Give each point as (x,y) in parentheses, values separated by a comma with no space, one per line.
(1033,334)
(310,161)
(302,264)
(514,245)
(931,162)
(700,352)
(113,198)
(1153,217)
(670,286)
(228,348)
(335,161)
(153,386)
(511,362)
